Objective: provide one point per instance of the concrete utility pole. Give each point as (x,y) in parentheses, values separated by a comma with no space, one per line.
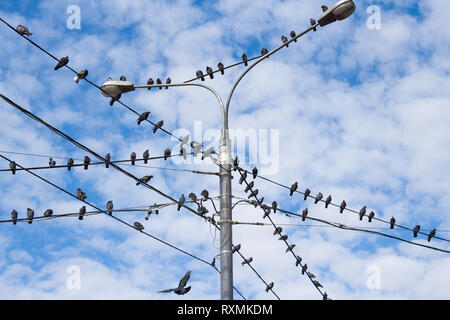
(341,10)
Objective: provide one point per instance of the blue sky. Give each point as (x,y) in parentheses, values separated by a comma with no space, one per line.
(361,114)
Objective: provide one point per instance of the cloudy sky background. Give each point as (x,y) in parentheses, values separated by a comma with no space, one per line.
(361,114)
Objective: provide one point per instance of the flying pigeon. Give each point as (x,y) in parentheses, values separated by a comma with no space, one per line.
(158,125)
(69,164)
(313,23)
(114,99)
(210,72)
(158,81)
(167,153)
(62,62)
(200,75)
(362,213)
(221,68)
(150,82)
(243,177)
(269,287)
(133,158)
(193,196)
(123,78)
(304,268)
(12,166)
(182,289)
(328,201)
(317,284)
(245,59)
(14,216)
(247,261)
(254,172)
(416,230)
(290,248)
(143,117)
(181,202)
(236,248)
(168,81)
(371,215)
(304,214)
(109,207)
(254,193)
(432,234)
(298,261)
(138,226)
(293,188)
(23,30)
(278,230)
(249,186)
(319,197)
(30,215)
(144,179)
(108,159)
(51,162)
(293,35)
(48,213)
(81,195)
(285,40)
(392,222)
(324,8)
(205,195)
(342,207)
(86,162)
(284,238)
(306,194)
(81,75)
(264,51)
(146,155)
(81,213)
(274,206)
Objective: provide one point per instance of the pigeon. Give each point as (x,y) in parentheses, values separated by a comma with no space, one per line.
(392,222)
(146,155)
(285,40)
(236,163)
(264,51)
(168,81)
(278,230)
(416,230)
(12,166)
(243,177)
(254,193)
(247,261)
(274,206)
(298,261)
(342,207)
(254,202)
(432,234)
(81,213)
(221,68)
(22,30)
(158,125)
(183,152)
(205,195)
(236,248)
(313,23)
(144,179)
(14,216)
(185,140)
(200,75)
(114,99)
(319,197)
(213,263)
(69,164)
(362,213)
(150,82)
(48,213)
(293,189)
(143,117)
(86,162)
(317,284)
(269,287)
(182,289)
(371,215)
(197,147)
(210,72)
(81,75)
(133,158)
(123,78)
(109,207)
(138,226)
(324,8)
(304,268)
(81,195)
(193,196)
(108,159)
(167,154)
(181,202)
(158,81)
(245,59)
(328,201)
(30,215)
(290,248)
(266,213)
(249,186)
(202,210)
(325,296)
(304,214)
(306,194)
(208,153)
(254,172)
(62,62)
(311,275)
(284,238)
(293,35)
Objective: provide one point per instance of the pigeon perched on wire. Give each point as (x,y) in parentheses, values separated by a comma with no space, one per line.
(293,188)
(293,35)
(306,194)
(313,23)
(69,164)
(247,261)
(362,213)
(30,215)
(290,248)
(264,51)
(208,153)
(236,163)
(392,222)
(150,82)
(243,177)
(432,234)
(108,159)
(144,179)
(181,202)
(167,154)
(205,195)
(142,117)
(311,275)
(283,238)
(319,197)
(266,213)
(324,8)
(22,30)
(245,59)
(328,201)
(109,207)
(185,140)
(200,75)
(62,62)
(416,230)
(284,39)
(304,214)
(123,78)
(274,206)
(371,215)
(133,158)
(210,72)
(14,215)
(298,261)
(269,287)
(221,68)
(86,162)
(81,75)
(181,289)
(202,210)
(13,167)
(278,230)
(146,155)
(81,213)
(81,195)
(48,213)
(254,193)
(114,99)
(193,197)
(304,268)
(342,206)
(197,147)
(168,81)
(158,125)
(254,172)
(138,226)
(317,284)
(183,152)
(158,81)
(213,263)
(236,248)
(249,186)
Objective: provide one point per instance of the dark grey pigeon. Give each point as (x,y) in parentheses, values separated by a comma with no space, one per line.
(362,213)
(86,162)
(143,117)
(285,40)
(264,51)
(317,284)
(51,162)
(205,195)
(416,230)
(274,206)
(193,196)
(432,234)
(236,248)
(48,213)
(81,213)
(114,99)
(167,154)
(62,62)
(213,263)
(328,201)
(133,158)
(306,194)
(342,206)
(146,155)
(284,238)
(371,215)
(313,23)
(221,68)
(269,287)
(236,163)
(197,147)
(278,230)
(325,296)
(123,78)
(254,193)
(69,164)
(208,153)
(210,72)
(158,81)
(168,81)
(81,75)
(81,195)
(23,30)
(254,172)
(202,210)
(181,202)
(158,125)
(138,226)
(200,75)
(150,82)
(14,216)
(109,207)
(290,248)
(247,261)
(392,222)
(304,214)
(293,188)
(12,166)
(324,8)
(245,59)
(266,213)
(108,159)
(144,179)
(182,289)
(249,186)
(304,268)
(319,197)
(298,261)
(243,177)
(30,215)
(311,275)
(293,35)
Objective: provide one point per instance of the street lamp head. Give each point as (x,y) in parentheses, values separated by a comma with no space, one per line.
(339,11)
(114,88)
